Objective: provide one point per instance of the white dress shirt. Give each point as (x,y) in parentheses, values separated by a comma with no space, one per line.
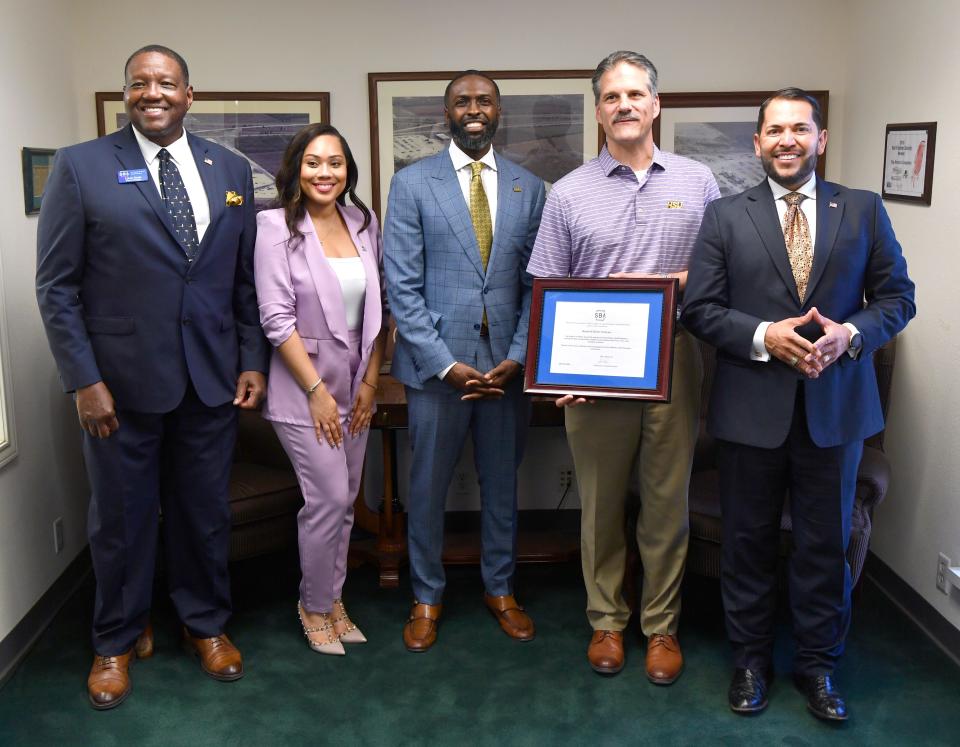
(488,178)
(182,156)
(758,350)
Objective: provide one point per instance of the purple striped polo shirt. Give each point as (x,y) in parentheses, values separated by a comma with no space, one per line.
(599,219)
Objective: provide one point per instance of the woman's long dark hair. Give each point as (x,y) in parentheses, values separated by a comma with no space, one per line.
(289,194)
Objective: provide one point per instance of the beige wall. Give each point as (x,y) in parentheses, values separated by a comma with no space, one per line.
(57,53)
(319,45)
(903,67)
(46,479)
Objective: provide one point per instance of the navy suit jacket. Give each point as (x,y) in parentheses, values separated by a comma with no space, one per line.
(740,276)
(436,284)
(119,300)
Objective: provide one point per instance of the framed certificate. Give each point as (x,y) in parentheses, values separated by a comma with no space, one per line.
(602,337)
(908,162)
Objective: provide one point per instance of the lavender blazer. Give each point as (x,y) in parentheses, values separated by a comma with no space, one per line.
(297,289)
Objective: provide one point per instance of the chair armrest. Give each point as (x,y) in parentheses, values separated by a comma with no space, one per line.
(705,452)
(257,443)
(873,478)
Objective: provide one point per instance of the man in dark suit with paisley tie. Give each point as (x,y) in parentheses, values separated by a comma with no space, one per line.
(795,282)
(145,287)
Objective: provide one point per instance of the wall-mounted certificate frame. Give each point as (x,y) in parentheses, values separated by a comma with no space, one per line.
(908,162)
(602,337)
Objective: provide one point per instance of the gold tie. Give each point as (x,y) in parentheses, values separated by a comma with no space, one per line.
(480,214)
(796,234)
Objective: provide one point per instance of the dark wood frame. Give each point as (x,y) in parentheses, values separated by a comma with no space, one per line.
(373,79)
(31,205)
(931,129)
(321,97)
(724,99)
(669,287)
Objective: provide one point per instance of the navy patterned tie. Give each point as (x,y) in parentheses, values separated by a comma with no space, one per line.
(177,202)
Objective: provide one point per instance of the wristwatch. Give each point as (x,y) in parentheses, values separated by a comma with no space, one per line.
(856,345)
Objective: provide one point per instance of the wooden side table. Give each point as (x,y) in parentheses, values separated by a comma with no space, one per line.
(388,551)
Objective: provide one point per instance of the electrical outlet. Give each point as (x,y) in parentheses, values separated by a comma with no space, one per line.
(566,479)
(943,568)
(58,535)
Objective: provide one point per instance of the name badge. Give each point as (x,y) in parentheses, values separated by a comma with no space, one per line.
(133,175)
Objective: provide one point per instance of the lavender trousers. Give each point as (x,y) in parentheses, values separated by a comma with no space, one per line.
(329,480)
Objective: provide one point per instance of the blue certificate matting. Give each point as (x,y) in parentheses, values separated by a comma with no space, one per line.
(655,301)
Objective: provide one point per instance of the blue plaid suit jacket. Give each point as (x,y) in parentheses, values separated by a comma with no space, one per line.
(436,284)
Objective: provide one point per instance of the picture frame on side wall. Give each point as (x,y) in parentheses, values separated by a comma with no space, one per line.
(37,163)
(717,129)
(908,162)
(548,124)
(256,125)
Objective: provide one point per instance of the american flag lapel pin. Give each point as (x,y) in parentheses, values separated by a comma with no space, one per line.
(833,204)
(208,161)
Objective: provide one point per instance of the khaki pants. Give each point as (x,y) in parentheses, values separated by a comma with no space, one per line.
(606,439)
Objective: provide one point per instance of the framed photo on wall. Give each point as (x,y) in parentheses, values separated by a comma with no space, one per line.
(258,126)
(37,163)
(548,124)
(717,129)
(908,162)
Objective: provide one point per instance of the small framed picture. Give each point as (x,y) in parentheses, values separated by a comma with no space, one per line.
(37,163)
(908,162)
(602,337)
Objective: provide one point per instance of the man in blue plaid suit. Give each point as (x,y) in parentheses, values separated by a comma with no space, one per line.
(459,229)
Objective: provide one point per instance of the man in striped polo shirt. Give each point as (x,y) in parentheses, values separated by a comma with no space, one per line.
(634,211)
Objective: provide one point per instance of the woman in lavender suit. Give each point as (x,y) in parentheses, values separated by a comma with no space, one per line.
(317,269)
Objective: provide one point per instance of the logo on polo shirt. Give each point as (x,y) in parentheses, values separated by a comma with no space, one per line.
(674,204)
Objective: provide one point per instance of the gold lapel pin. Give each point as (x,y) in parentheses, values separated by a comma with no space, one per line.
(516,188)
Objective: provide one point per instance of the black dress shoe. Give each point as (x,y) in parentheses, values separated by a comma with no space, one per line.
(823,700)
(748,691)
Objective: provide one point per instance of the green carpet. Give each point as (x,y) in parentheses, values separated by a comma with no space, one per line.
(475,686)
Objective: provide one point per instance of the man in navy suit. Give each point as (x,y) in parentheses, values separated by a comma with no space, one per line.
(145,286)
(459,229)
(795,282)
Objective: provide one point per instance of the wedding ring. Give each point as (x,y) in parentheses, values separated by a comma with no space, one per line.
(794,361)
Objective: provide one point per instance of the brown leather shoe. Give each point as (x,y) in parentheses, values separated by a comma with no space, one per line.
(108,684)
(605,651)
(143,648)
(664,659)
(420,630)
(218,656)
(515,622)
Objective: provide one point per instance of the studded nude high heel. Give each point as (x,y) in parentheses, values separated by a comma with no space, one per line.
(331,645)
(351,633)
